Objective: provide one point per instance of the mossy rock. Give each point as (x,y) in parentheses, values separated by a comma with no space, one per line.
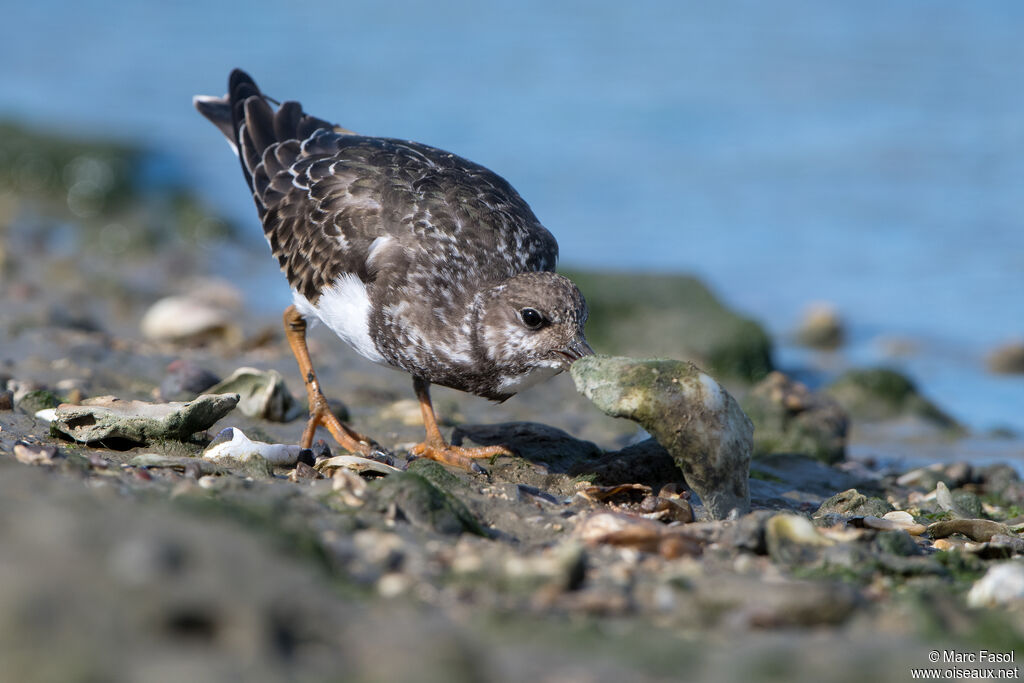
(96,183)
(673,316)
(876,394)
(425,505)
(40,399)
(788,418)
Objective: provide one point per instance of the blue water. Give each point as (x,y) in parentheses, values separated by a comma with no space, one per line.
(866,153)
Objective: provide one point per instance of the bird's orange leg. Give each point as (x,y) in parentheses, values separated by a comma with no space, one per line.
(319,412)
(435,447)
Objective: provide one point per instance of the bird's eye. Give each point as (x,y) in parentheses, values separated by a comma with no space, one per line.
(531,318)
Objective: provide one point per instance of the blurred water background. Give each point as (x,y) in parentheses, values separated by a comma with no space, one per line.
(868,154)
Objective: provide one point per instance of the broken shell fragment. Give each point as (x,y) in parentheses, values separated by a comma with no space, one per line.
(354,463)
(233,444)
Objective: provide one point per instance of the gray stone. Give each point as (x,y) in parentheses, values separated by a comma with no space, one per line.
(794,540)
(1002,585)
(852,503)
(789,418)
(110,418)
(897,543)
(688,412)
(820,328)
(177,463)
(424,505)
(882,394)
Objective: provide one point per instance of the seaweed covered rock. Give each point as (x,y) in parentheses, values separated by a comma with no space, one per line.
(789,418)
(100,184)
(679,317)
(883,394)
(688,412)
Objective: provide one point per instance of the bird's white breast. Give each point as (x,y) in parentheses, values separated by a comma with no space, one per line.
(345,308)
(513,384)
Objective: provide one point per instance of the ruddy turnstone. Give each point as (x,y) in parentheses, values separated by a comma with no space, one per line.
(416,257)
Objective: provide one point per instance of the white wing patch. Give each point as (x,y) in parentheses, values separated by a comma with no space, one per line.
(345,308)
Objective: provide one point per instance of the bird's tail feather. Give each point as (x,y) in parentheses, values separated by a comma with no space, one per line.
(251,125)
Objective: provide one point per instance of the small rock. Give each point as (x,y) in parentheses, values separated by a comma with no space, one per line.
(899,516)
(110,418)
(631,531)
(882,394)
(184,380)
(349,486)
(897,542)
(688,412)
(852,503)
(424,505)
(1002,585)
(1000,479)
(927,478)
(187,319)
(1007,359)
(820,327)
(620,493)
(263,394)
(233,445)
(35,400)
(171,462)
(35,454)
(794,540)
(960,503)
(304,471)
(789,418)
(6,400)
(405,411)
(751,602)
(974,529)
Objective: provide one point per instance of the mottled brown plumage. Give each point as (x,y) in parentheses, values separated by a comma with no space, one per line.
(417,257)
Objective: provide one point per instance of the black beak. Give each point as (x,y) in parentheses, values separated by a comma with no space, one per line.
(576,350)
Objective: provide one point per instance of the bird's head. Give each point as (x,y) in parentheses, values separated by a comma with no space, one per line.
(531,327)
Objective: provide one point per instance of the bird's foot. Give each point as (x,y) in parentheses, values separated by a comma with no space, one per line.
(349,439)
(458,456)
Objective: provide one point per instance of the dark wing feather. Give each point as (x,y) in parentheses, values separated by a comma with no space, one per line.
(325,194)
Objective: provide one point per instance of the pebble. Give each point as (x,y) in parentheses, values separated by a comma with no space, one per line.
(629,531)
(1002,585)
(821,327)
(1007,359)
(184,380)
(186,319)
(35,454)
